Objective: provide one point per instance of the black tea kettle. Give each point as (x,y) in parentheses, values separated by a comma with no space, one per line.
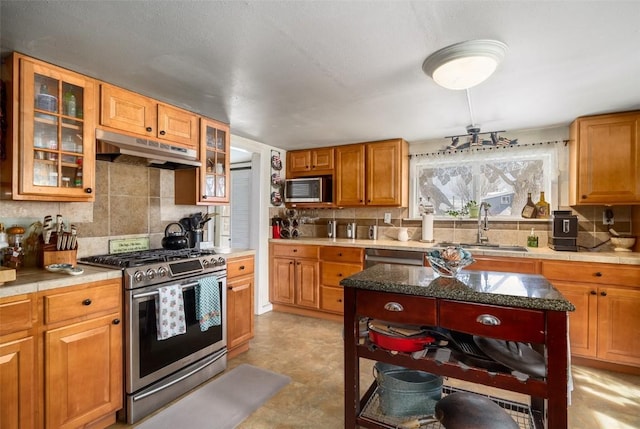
(175,240)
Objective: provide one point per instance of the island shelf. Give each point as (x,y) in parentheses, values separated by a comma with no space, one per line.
(506,306)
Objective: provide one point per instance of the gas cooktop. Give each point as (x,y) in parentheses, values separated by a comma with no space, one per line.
(143,257)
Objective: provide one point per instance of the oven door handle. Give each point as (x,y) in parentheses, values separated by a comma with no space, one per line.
(155,292)
(221,354)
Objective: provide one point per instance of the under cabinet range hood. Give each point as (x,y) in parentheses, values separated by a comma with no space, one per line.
(117,147)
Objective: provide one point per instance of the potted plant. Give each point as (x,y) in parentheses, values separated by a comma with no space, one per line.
(473,209)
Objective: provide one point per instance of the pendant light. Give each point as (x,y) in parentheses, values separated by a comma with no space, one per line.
(465,64)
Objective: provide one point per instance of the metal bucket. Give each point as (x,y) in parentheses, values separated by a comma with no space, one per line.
(406,392)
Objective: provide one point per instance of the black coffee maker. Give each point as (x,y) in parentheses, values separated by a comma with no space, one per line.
(564,231)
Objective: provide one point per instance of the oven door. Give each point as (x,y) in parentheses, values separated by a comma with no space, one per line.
(149,359)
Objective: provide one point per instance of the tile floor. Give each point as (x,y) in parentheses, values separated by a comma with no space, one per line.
(310,352)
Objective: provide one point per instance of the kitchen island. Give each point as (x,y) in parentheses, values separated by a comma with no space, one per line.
(513,307)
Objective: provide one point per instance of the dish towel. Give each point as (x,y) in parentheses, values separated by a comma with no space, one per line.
(208,303)
(170,318)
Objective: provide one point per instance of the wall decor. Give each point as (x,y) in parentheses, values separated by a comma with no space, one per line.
(277,183)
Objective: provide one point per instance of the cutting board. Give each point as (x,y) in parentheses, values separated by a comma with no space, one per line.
(7,275)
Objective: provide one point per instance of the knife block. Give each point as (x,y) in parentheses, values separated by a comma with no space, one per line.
(50,255)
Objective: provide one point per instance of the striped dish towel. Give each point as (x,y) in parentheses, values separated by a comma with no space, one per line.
(170,319)
(208,304)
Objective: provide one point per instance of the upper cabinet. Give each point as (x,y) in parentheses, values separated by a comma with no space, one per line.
(375,174)
(312,162)
(208,184)
(605,160)
(51,133)
(133,113)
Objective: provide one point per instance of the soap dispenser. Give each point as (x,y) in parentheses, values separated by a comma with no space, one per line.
(532,239)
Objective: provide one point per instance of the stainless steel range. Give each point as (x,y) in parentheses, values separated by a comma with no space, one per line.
(158,371)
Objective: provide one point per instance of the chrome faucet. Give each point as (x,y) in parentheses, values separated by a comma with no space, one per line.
(483,224)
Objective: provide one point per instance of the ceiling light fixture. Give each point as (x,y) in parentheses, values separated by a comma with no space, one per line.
(465,64)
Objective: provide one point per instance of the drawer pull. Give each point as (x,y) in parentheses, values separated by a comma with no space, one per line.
(86,302)
(393,306)
(241,267)
(598,274)
(603,293)
(593,292)
(488,319)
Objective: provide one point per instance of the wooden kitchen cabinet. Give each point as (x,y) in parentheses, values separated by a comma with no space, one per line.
(17,362)
(240,314)
(607,298)
(375,174)
(130,112)
(505,264)
(311,162)
(337,263)
(51,133)
(208,184)
(82,344)
(604,163)
(294,285)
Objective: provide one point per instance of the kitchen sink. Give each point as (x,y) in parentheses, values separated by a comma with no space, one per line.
(484,246)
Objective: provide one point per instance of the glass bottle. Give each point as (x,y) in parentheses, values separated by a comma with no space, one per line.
(542,207)
(532,239)
(69,104)
(529,209)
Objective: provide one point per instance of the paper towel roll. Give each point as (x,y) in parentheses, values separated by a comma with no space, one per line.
(427,227)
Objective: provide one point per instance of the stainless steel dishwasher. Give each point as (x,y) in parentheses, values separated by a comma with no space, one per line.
(399,257)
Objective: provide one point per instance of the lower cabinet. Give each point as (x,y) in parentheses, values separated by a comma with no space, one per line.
(82,345)
(294,276)
(240,314)
(336,263)
(606,322)
(17,362)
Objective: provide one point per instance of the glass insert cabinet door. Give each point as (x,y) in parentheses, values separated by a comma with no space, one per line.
(57,142)
(216,161)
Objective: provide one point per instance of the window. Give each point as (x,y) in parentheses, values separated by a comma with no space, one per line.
(500,177)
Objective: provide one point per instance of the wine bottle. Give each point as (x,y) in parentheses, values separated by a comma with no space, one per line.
(542,207)
(529,210)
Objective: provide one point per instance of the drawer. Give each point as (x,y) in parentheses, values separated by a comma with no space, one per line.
(331,299)
(295,251)
(16,314)
(342,254)
(240,266)
(393,307)
(82,303)
(603,274)
(505,264)
(515,324)
(333,272)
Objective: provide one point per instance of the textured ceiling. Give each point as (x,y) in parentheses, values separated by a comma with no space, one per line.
(302,74)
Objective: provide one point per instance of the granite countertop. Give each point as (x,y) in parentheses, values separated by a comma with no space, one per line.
(531,291)
(628,258)
(30,280)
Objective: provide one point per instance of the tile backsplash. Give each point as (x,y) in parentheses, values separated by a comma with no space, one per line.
(591,232)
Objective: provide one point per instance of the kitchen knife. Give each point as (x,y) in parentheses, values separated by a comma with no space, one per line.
(74,234)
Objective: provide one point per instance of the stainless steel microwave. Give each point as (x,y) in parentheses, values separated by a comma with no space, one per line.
(308,190)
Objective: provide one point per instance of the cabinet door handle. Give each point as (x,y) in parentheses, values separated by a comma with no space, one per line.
(488,319)
(86,302)
(393,306)
(149,129)
(116,321)
(603,293)
(598,274)
(593,292)
(162,133)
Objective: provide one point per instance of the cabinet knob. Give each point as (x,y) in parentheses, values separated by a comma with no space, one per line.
(116,321)
(86,302)
(88,190)
(295,250)
(598,274)
(603,293)
(241,267)
(488,320)
(593,292)
(339,300)
(313,166)
(339,274)
(298,263)
(149,129)
(584,197)
(393,306)
(290,262)
(340,254)
(162,133)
